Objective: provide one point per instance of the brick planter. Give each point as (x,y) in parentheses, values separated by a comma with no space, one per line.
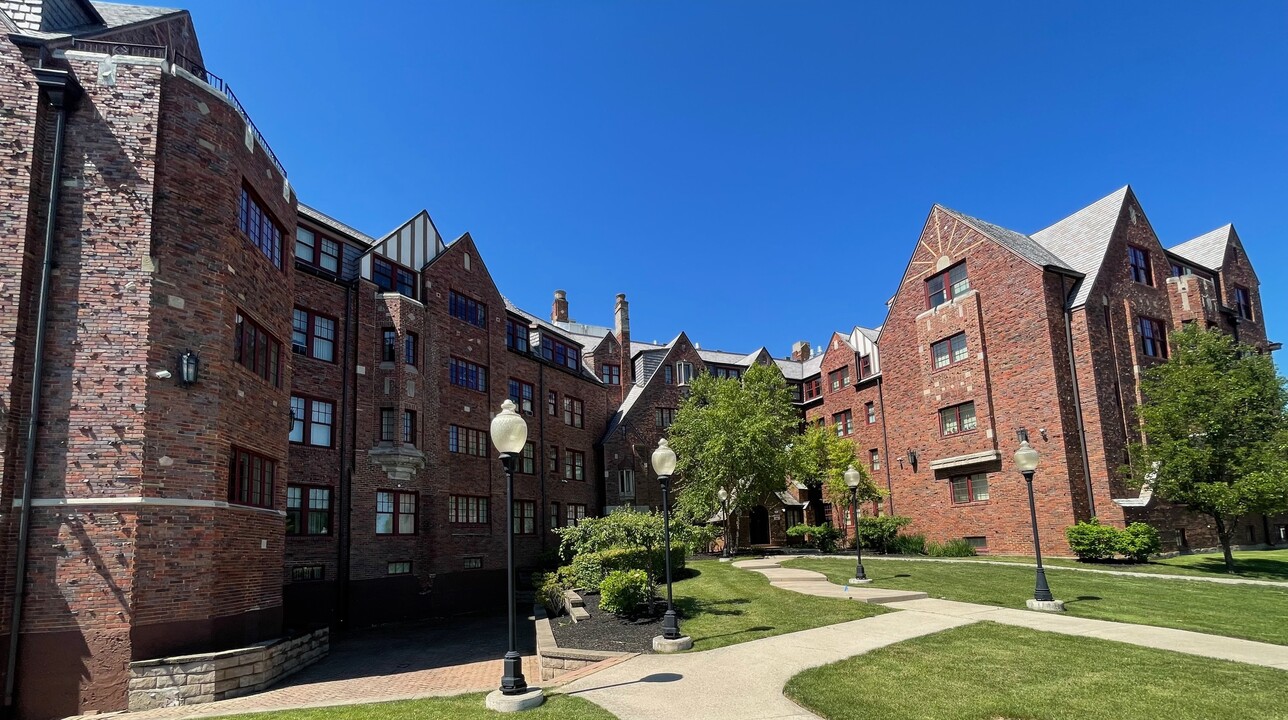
(556,661)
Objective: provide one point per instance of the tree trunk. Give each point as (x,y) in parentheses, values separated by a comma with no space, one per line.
(1224,535)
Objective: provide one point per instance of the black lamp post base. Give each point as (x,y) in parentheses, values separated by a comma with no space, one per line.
(512,681)
(670,625)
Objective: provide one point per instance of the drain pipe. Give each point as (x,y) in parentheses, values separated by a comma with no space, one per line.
(61,89)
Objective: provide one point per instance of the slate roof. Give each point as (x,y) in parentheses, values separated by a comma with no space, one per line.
(1082,239)
(1019,243)
(1206,250)
(322,218)
(118,15)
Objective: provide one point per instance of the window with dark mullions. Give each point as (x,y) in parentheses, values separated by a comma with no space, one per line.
(389,277)
(528,460)
(957,419)
(522,393)
(844,422)
(466,374)
(410,348)
(467,510)
(313,335)
(611,374)
(463,307)
(260,228)
(947,285)
(516,335)
(949,351)
(574,465)
(251,479)
(865,366)
(257,350)
(467,441)
(388,424)
(969,488)
(316,250)
(573,412)
(409,428)
(525,517)
(1243,302)
(813,388)
(312,421)
(308,510)
(389,345)
(839,378)
(1153,338)
(560,353)
(396,512)
(1141,268)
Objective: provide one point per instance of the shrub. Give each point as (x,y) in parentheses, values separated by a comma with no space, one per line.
(879,533)
(909,544)
(625,528)
(823,536)
(952,548)
(585,572)
(1092,541)
(1138,541)
(550,592)
(589,569)
(623,591)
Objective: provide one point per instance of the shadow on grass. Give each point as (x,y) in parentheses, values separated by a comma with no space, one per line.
(692,607)
(1242,566)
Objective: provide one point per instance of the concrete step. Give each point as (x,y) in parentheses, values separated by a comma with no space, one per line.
(578,614)
(572,599)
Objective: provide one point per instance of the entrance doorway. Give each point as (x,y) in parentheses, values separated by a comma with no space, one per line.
(759,525)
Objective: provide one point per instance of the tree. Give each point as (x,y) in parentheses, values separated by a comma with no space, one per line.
(820,457)
(732,435)
(1215,431)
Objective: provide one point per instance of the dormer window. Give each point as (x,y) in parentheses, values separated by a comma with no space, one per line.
(316,250)
(947,285)
(1138,260)
(393,278)
(560,353)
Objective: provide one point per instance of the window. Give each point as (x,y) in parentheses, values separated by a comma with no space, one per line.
(1138,261)
(467,375)
(388,424)
(409,427)
(554,515)
(626,483)
(250,479)
(516,335)
(302,573)
(474,562)
(949,350)
(553,460)
(669,372)
(611,374)
(389,345)
(665,416)
(313,335)
(396,512)
(560,353)
(969,488)
(844,422)
(1243,302)
(1153,338)
(398,567)
(813,388)
(525,517)
(260,228)
(467,441)
(410,346)
(947,285)
(838,379)
(318,251)
(574,465)
(871,412)
(958,418)
(463,307)
(684,371)
(574,414)
(1181,541)
(576,513)
(389,277)
(522,394)
(312,421)
(1178,270)
(256,350)
(528,461)
(730,373)
(979,542)
(874,459)
(467,510)
(552,403)
(865,366)
(308,510)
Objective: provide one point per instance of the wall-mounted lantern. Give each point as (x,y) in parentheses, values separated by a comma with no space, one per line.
(189,364)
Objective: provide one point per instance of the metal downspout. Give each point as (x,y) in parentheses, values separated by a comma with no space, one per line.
(348,440)
(1077,403)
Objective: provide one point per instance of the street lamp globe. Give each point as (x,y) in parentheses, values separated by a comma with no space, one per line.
(1026,458)
(853,477)
(663,459)
(509,431)
(722,495)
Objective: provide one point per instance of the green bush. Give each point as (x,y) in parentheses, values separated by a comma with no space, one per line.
(909,544)
(550,592)
(879,533)
(623,591)
(625,528)
(1092,541)
(585,572)
(589,569)
(952,548)
(823,536)
(1138,541)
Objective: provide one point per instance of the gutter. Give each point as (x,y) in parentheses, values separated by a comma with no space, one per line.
(348,440)
(62,90)
(885,443)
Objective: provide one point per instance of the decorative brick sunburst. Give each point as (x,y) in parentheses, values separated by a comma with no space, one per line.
(953,239)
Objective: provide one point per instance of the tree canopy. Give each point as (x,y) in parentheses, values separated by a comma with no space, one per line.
(820,456)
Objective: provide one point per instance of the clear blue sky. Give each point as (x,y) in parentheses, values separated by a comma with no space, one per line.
(754,172)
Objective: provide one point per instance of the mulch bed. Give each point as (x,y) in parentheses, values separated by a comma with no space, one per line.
(606,631)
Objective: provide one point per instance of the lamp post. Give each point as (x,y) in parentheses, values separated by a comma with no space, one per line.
(852,479)
(1026,461)
(725,555)
(509,434)
(670,640)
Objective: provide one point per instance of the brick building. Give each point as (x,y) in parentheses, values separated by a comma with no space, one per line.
(330,461)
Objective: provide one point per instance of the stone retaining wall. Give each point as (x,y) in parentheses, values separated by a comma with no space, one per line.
(556,661)
(206,677)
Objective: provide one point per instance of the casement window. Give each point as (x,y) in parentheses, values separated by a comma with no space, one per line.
(396,512)
(305,573)
(729,373)
(865,366)
(250,478)
(552,461)
(947,285)
(464,307)
(560,353)
(316,250)
(664,417)
(574,465)
(821,422)
(467,441)
(259,227)
(409,428)
(255,349)
(838,379)
(957,419)
(1243,302)
(1153,338)
(312,421)
(573,412)
(388,345)
(1139,263)
(411,348)
(554,515)
(398,567)
(669,372)
(522,394)
(874,459)
(871,409)
(525,517)
(1179,270)
(528,461)
(552,403)
(611,374)
(516,335)
(466,374)
(308,510)
(844,422)
(949,350)
(474,562)
(467,510)
(626,483)
(388,424)
(576,513)
(813,388)
(389,277)
(969,488)
(312,335)
(684,371)
(797,394)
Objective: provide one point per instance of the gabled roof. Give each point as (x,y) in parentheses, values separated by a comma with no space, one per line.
(1018,243)
(323,219)
(116,15)
(1082,239)
(1207,250)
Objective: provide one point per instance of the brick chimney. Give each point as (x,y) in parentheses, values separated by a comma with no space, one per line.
(559,310)
(800,351)
(622,328)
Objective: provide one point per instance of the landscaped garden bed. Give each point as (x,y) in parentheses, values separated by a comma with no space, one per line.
(606,631)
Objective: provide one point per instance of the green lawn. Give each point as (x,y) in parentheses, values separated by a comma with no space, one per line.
(994,672)
(1253,564)
(721,605)
(1245,611)
(458,707)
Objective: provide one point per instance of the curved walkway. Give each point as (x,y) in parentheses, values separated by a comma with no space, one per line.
(1048,566)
